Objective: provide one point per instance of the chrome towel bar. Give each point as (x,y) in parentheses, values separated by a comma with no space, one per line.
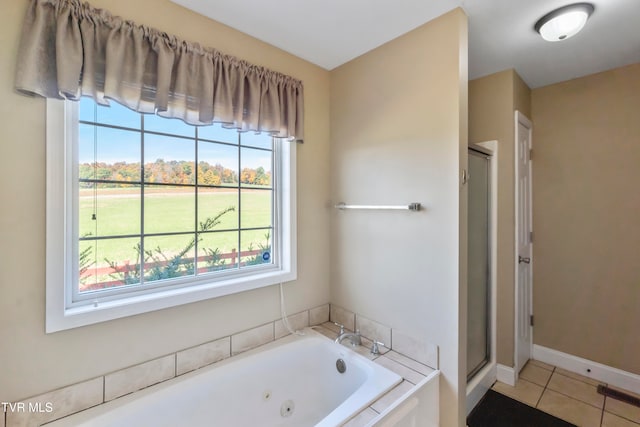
(410,207)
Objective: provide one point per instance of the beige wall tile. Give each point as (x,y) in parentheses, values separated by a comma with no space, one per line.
(138,377)
(373,330)
(388,399)
(319,315)
(297,322)
(362,419)
(414,348)
(410,363)
(569,409)
(610,420)
(332,327)
(576,389)
(64,401)
(406,373)
(202,355)
(622,409)
(342,316)
(524,391)
(536,374)
(326,331)
(252,338)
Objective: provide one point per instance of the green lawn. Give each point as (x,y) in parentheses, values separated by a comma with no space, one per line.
(118,213)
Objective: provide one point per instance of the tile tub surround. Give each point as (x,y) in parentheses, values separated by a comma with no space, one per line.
(343,317)
(569,396)
(319,315)
(62,402)
(202,355)
(78,397)
(138,377)
(252,338)
(410,370)
(420,351)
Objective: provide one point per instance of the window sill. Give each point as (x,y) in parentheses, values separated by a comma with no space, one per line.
(60,317)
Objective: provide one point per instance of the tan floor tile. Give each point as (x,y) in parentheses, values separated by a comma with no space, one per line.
(542,365)
(576,389)
(536,374)
(569,409)
(524,391)
(622,409)
(610,420)
(577,376)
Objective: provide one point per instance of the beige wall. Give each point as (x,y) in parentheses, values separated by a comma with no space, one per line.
(586,138)
(399,135)
(492,102)
(33,362)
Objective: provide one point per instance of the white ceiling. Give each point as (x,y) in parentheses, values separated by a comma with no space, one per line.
(501,36)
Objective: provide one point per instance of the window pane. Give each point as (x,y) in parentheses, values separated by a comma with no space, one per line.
(115,114)
(169,209)
(217,251)
(217,164)
(217,209)
(256,247)
(108,263)
(168,257)
(262,140)
(216,132)
(256,168)
(117,153)
(108,209)
(166,125)
(169,160)
(255,208)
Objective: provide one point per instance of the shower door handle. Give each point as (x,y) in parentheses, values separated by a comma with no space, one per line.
(525,260)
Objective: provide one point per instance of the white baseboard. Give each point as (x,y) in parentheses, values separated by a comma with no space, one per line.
(506,374)
(597,371)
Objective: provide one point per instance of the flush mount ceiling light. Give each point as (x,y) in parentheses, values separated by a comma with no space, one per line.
(564,22)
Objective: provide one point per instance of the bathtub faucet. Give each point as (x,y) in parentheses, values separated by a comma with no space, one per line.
(355,338)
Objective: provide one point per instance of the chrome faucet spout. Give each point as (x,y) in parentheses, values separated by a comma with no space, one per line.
(354,338)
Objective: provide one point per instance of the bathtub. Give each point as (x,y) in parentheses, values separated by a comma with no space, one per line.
(293,381)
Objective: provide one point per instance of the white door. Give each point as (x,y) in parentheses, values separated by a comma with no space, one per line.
(524,283)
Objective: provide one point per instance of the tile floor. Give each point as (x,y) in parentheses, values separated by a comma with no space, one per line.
(569,396)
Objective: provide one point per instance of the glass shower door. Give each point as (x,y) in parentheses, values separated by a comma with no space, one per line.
(478,297)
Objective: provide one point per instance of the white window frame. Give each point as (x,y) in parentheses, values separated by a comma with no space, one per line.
(62,313)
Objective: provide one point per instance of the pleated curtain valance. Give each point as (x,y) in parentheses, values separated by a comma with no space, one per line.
(70,49)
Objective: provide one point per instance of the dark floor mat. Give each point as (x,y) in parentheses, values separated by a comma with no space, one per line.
(498,410)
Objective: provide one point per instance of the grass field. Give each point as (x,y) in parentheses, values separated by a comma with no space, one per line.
(118,213)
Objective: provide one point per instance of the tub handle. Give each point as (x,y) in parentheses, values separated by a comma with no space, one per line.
(341,327)
(374,347)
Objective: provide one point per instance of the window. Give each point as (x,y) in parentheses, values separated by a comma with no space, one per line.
(145,212)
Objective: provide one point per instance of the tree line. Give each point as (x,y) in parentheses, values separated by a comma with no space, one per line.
(171,172)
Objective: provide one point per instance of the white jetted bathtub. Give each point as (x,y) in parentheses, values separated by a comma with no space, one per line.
(293,381)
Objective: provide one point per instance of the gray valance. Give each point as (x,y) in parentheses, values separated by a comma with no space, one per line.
(70,49)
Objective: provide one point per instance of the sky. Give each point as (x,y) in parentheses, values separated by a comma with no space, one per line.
(116,145)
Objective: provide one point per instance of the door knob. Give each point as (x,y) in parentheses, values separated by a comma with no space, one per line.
(525,260)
